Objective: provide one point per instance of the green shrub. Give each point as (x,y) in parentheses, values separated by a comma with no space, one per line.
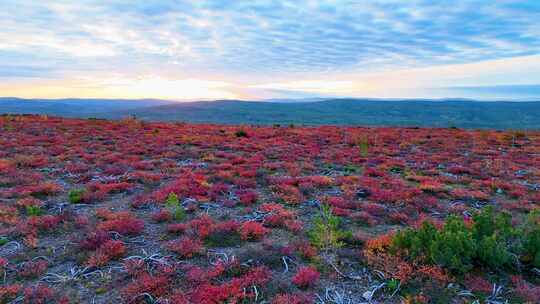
(393,284)
(417,242)
(490,241)
(3,241)
(531,239)
(363,145)
(326,233)
(76,196)
(173,204)
(33,210)
(453,247)
(241,133)
(495,237)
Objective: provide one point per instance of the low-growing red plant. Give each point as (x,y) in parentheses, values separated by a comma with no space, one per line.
(186,247)
(156,286)
(525,290)
(124,223)
(233,291)
(478,284)
(163,215)
(94,240)
(252,231)
(306,276)
(110,250)
(295,298)
(247,197)
(33,269)
(38,294)
(305,250)
(9,292)
(177,228)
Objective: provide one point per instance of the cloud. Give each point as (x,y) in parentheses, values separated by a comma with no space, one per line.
(262,41)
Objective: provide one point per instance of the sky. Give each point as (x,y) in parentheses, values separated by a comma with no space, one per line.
(260,49)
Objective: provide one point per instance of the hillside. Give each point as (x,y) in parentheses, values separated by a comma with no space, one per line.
(424,113)
(75,107)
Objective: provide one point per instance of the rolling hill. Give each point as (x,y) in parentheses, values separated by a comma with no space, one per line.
(423,113)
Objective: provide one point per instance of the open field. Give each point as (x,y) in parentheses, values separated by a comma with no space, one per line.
(128,211)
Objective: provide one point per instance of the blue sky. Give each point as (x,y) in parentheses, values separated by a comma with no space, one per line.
(270,49)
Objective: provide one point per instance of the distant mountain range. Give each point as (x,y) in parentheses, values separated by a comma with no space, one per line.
(376,112)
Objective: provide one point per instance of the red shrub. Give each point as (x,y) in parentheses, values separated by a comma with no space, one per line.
(296,298)
(46,188)
(294,226)
(233,291)
(277,214)
(45,222)
(202,226)
(156,286)
(374,209)
(186,247)
(399,218)
(81,221)
(29,202)
(177,228)
(364,218)
(227,227)
(9,292)
(306,276)
(198,275)
(338,202)
(39,294)
(94,240)
(252,231)
(135,267)
(340,211)
(248,197)
(163,215)
(306,250)
(478,284)
(9,215)
(525,290)
(110,250)
(33,269)
(124,223)
(3,264)
(289,194)
(469,194)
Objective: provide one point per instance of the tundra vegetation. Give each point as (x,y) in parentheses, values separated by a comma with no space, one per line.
(98,211)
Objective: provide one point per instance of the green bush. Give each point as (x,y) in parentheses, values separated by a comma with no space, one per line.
(326,233)
(490,241)
(363,145)
(173,204)
(453,246)
(531,239)
(76,196)
(33,210)
(495,237)
(241,133)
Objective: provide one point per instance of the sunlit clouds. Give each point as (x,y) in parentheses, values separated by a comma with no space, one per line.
(135,88)
(186,50)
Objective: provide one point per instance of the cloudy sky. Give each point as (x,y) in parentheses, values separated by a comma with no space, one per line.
(257,49)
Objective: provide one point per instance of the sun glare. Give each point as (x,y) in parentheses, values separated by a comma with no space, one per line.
(178,89)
